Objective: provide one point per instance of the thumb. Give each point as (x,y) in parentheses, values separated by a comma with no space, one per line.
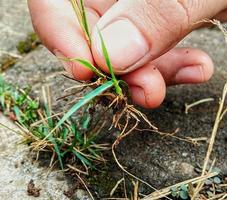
(136,31)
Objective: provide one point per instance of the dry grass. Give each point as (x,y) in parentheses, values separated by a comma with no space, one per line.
(167,191)
(219,117)
(189,106)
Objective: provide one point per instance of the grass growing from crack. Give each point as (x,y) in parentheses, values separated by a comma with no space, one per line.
(16,103)
(73,142)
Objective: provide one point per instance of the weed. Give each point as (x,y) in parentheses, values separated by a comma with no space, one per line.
(181,192)
(17,104)
(73,142)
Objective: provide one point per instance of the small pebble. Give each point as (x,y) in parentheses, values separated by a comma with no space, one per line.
(187,169)
(208,182)
(217,180)
(81,195)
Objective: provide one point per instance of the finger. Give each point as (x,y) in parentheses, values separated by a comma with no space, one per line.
(136,32)
(100,6)
(185,66)
(146,85)
(56,24)
(222,16)
(178,66)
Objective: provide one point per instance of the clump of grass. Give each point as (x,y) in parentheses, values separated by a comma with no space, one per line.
(82,18)
(73,141)
(16,103)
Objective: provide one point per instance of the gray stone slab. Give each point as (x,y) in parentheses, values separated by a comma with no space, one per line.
(17,169)
(15,24)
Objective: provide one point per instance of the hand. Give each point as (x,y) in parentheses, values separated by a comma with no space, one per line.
(139,35)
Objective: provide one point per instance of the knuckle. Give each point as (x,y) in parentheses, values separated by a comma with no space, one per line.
(172,15)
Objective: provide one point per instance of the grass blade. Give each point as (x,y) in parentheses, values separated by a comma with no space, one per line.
(48,115)
(86,64)
(109,65)
(82,159)
(56,148)
(82,18)
(77,11)
(106,56)
(87,98)
(85,21)
(91,67)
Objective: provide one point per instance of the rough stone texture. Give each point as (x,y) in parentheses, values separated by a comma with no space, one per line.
(17,170)
(14,24)
(155,159)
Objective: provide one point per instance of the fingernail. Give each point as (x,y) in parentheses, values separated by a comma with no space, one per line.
(191,74)
(125,43)
(138,96)
(65,64)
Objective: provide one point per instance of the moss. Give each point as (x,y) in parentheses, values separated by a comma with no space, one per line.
(102,182)
(29,44)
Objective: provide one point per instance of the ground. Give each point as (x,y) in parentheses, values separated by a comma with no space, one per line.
(161,161)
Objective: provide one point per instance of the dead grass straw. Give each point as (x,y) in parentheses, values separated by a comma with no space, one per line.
(218,119)
(82,181)
(189,106)
(166,191)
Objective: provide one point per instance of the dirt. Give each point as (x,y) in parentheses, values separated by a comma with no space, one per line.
(32,190)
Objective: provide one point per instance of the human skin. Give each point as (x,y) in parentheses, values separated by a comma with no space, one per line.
(140,36)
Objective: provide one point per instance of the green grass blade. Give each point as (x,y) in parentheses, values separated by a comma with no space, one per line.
(85,21)
(48,115)
(82,158)
(77,135)
(86,64)
(64,134)
(87,98)
(109,65)
(86,122)
(106,56)
(56,148)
